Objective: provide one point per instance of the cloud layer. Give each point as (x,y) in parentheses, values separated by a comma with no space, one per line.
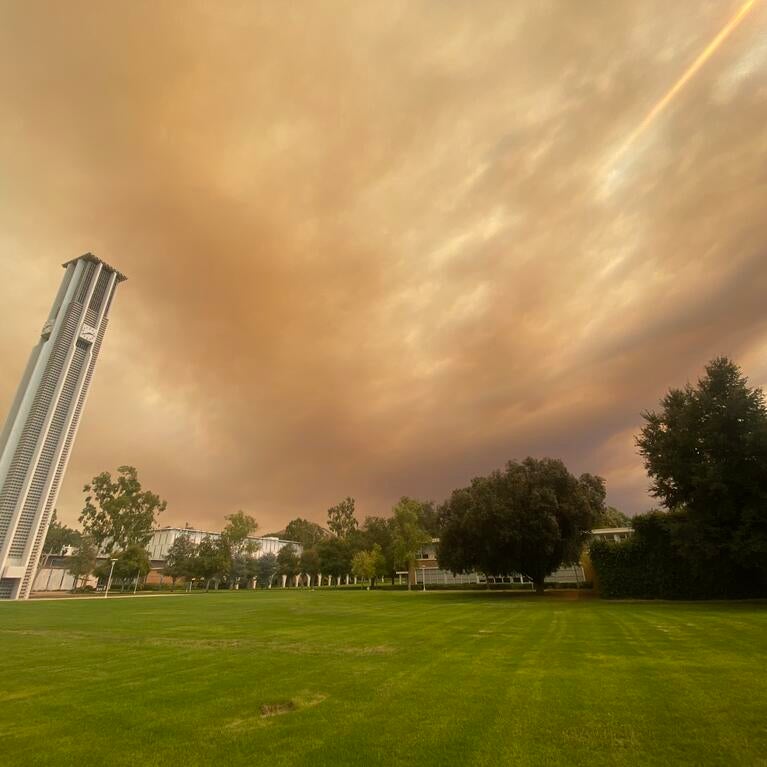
(377,248)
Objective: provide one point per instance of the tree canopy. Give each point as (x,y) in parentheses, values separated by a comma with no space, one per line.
(303,531)
(179,560)
(705,451)
(341,520)
(335,556)
(612,517)
(529,518)
(407,534)
(369,565)
(132,562)
(288,562)
(118,513)
(266,568)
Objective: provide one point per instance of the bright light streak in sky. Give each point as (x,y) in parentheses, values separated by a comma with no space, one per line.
(689,73)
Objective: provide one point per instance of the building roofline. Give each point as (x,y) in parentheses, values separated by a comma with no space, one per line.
(96,260)
(171,528)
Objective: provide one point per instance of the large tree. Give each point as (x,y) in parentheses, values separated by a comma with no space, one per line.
(288,562)
(266,568)
(82,563)
(335,556)
(212,561)
(179,560)
(706,453)
(239,546)
(118,513)
(303,531)
(341,520)
(310,562)
(529,518)
(408,536)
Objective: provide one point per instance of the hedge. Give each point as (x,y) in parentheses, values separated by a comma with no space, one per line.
(650,565)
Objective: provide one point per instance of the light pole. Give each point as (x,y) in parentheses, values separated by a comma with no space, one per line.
(109,580)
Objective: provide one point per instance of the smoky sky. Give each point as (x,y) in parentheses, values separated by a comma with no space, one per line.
(377,248)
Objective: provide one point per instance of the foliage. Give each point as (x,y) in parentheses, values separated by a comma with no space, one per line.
(179,560)
(266,569)
(706,453)
(310,561)
(428,518)
(237,531)
(651,564)
(288,562)
(335,557)
(341,519)
(132,562)
(212,561)
(407,534)
(612,517)
(118,513)
(239,548)
(529,518)
(82,563)
(379,531)
(303,531)
(60,535)
(369,565)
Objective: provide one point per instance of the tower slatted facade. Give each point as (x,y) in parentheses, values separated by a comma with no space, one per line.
(36,442)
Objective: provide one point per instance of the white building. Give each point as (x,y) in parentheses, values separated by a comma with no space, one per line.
(164,537)
(41,427)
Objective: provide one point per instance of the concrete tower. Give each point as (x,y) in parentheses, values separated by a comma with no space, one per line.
(37,439)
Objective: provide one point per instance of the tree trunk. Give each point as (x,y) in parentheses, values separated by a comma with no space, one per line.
(539,586)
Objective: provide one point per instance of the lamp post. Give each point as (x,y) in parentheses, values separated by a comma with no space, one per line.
(109,580)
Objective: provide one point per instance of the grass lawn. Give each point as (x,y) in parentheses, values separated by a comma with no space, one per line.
(381,678)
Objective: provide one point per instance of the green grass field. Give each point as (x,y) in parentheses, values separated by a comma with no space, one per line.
(381,678)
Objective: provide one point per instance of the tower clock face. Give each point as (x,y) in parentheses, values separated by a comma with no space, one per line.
(87,333)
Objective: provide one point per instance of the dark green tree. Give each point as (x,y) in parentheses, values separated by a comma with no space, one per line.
(341,520)
(310,562)
(612,517)
(428,518)
(266,569)
(705,451)
(288,562)
(179,561)
(303,531)
(335,557)
(212,561)
(119,513)
(529,518)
